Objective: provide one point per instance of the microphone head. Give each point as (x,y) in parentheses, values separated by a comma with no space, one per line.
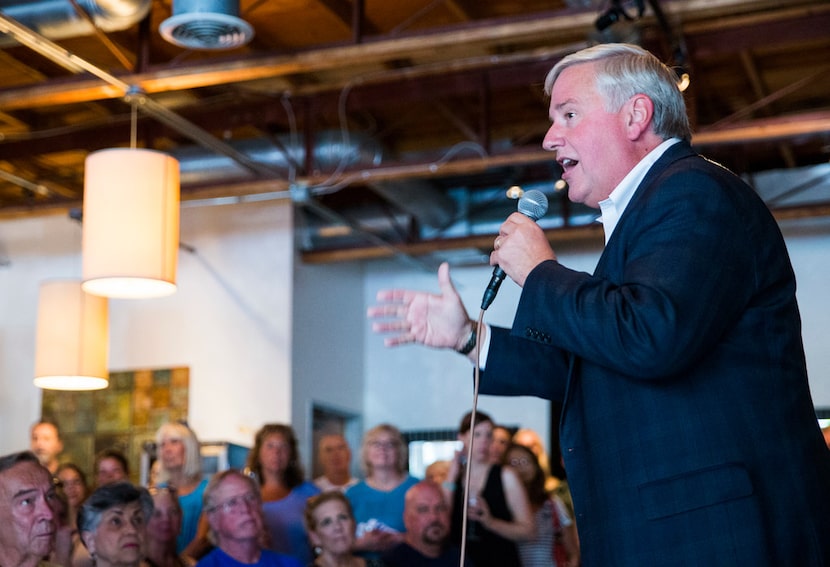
(533,204)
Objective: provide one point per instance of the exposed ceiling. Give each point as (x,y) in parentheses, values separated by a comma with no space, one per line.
(394,126)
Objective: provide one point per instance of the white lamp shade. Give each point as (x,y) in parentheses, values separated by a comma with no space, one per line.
(72,340)
(130,223)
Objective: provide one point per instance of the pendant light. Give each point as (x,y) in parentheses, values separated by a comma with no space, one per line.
(72,343)
(130,222)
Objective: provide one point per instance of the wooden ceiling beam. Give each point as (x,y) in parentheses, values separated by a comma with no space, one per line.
(480,37)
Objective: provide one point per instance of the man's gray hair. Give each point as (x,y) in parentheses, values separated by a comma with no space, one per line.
(624,70)
(8,461)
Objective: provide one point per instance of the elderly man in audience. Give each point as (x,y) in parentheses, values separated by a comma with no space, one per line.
(234,511)
(427,520)
(27,516)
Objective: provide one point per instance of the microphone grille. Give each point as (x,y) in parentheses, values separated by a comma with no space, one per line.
(533,204)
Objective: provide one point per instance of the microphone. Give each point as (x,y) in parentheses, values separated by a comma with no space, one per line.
(533,205)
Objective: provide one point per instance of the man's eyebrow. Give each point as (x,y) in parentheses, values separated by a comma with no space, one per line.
(565,103)
(24,492)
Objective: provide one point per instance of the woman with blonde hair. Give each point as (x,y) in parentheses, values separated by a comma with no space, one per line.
(378,500)
(180,466)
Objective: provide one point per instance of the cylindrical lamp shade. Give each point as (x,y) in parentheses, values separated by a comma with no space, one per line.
(130,223)
(72,340)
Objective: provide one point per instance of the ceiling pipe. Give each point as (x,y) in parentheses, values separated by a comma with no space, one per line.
(330,150)
(58,19)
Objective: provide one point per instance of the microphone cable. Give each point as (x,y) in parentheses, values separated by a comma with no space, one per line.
(469,464)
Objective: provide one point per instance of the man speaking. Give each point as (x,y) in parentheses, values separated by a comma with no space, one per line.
(687,430)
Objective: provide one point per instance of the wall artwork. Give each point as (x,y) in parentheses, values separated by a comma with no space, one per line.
(123,416)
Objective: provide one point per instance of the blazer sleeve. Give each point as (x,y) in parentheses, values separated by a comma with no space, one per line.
(517,367)
(683,266)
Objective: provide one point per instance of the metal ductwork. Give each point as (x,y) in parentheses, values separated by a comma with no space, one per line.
(420,197)
(199,166)
(58,19)
(206,24)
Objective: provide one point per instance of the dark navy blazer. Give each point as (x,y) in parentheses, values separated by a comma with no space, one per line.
(688,430)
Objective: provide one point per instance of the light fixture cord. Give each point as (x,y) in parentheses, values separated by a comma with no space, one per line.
(133,125)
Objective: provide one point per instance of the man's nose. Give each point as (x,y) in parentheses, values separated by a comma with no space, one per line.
(552,139)
(45,510)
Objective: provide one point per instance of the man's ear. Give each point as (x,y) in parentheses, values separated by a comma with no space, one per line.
(640,113)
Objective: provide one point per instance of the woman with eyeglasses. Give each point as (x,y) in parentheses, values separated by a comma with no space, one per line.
(112,523)
(274,461)
(378,500)
(163,528)
(555,543)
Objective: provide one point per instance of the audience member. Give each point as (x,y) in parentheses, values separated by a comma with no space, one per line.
(73,483)
(335,456)
(275,462)
(46,443)
(111,465)
(112,523)
(331,528)
(533,441)
(555,543)
(378,500)
(63,546)
(234,511)
(163,529)
(27,516)
(437,471)
(499,512)
(501,439)
(427,520)
(181,467)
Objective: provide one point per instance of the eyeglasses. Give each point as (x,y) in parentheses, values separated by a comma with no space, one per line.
(237,503)
(384,444)
(520,462)
(166,488)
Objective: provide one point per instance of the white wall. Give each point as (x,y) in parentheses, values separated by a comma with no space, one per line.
(328,363)
(229,321)
(808,242)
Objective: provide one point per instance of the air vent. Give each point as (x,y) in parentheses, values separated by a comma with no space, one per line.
(206,25)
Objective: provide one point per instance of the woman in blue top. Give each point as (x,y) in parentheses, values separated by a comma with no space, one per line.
(275,461)
(378,501)
(181,467)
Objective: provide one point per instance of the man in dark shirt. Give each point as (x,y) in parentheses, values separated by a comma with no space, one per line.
(427,520)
